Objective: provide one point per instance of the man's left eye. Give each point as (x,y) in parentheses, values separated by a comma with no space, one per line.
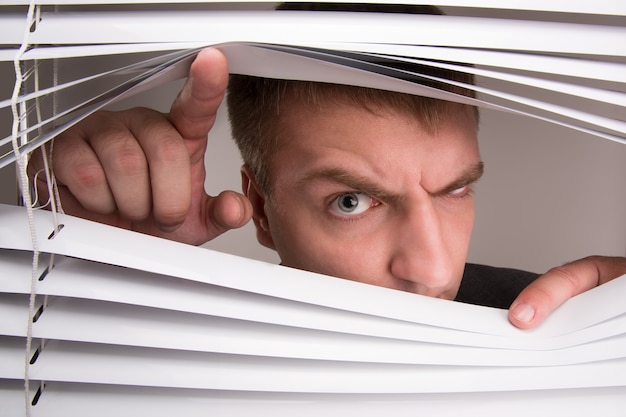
(461,192)
(351,203)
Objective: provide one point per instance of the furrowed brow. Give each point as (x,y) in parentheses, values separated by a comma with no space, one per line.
(360,184)
(469,176)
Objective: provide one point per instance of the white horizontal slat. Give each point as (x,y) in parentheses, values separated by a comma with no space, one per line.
(108,323)
(93,363)
(12,397)
(608,7)
(17,270)
(7,54)
(77,400)
(563,66)
(13,26)
(271,27)
(44,52)
(12,357)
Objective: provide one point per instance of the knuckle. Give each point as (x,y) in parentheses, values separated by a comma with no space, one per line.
(103,120)
(543,295)
(172,215)
(143,118)
(567,279)
(129,163)
(88,176)
(171,151)
(160,140)
(567,274)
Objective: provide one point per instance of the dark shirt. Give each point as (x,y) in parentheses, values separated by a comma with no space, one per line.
(492,287)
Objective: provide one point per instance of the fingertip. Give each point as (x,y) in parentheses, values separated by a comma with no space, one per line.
(522,315)
(210,71)
(212,55)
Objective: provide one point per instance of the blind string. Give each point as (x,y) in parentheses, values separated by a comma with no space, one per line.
(21,159)
(53,190)
(53,194)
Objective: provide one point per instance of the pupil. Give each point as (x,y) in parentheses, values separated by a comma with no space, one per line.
(349,202)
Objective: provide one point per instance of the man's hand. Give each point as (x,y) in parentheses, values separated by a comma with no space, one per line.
(559,284)
(144,171)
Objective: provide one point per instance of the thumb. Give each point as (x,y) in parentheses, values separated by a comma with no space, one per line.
(216,215)
(229,210)
(550,290)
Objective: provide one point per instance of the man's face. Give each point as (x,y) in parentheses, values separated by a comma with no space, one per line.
(374,198)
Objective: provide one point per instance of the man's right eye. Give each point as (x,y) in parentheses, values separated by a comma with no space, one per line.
(351,204)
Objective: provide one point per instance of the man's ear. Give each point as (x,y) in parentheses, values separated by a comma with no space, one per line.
(256,196)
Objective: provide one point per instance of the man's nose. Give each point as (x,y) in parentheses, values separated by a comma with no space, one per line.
(421,254)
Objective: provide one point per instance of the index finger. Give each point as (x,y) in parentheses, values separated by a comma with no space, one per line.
(194,109)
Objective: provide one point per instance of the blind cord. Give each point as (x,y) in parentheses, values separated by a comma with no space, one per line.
(20,159)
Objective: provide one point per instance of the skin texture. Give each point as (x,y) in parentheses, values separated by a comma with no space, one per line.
(144,171)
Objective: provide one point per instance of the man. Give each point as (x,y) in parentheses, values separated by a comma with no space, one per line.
(362,190)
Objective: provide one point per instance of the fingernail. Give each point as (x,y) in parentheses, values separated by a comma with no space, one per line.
(523,312)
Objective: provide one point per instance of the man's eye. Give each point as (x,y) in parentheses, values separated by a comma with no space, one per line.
(351,203)
(461,192)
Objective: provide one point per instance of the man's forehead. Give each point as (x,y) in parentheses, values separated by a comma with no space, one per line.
(312,100)
(376,153)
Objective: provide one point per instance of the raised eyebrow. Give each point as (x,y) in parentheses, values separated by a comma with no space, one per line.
(341,176)
(469,176)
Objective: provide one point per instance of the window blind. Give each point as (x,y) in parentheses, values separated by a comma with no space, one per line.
(583,64)
(102,327)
